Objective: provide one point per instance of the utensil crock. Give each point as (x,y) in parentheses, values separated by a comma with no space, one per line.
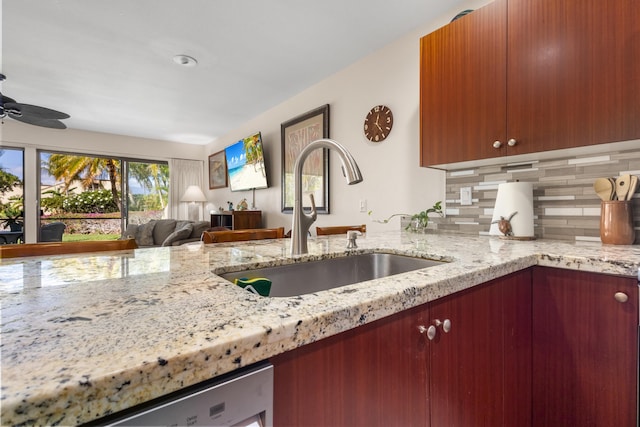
(616,222)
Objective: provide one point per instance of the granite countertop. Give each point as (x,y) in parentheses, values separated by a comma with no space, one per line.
(84,336)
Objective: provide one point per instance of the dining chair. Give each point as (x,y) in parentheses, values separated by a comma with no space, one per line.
(242,235)
(58,248)
(340,229)
(52,232)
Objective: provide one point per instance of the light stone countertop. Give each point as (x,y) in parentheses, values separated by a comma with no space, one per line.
(84,336)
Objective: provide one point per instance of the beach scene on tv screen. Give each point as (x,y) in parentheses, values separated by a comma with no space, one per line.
(245,164)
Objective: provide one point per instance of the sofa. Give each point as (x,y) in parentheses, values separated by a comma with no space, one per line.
(166,232)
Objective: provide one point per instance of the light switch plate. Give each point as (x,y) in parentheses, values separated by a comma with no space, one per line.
(465,196)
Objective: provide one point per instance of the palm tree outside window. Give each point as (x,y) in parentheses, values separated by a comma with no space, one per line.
(97,196)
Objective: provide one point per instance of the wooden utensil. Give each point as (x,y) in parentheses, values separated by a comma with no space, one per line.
(632,187)
(613,188)
(622,186)
(603,188)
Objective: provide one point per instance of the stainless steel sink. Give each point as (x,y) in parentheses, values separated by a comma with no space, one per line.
(313,276)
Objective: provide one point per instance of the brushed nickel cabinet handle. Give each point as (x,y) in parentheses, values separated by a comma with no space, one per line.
(444,324)
(621,297)
(497,144)
(430,331)
(511,142)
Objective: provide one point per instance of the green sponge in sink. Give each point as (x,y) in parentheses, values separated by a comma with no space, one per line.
(257,285)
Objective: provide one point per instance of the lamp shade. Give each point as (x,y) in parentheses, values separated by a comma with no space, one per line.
(193,194)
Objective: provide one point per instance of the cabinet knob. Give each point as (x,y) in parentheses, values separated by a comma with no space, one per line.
(621,297)
(497,144)
(430,331)
(444,324)
(511,142)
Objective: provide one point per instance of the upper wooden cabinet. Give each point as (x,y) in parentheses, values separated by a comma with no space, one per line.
(462,87)
(543,73)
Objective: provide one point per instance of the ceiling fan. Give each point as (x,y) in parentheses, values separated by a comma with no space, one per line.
(31,114)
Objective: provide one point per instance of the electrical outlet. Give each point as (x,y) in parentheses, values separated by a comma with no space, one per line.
(363,205)
(465,196)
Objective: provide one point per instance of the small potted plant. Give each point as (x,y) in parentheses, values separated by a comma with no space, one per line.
(420,220)
(12,219)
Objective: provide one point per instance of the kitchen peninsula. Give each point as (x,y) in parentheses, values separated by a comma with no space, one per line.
(87,336)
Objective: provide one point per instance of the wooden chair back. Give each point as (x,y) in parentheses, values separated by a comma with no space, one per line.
(58,248)
(340,229)
(242,235)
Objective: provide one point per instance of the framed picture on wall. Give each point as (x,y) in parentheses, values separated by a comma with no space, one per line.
(296,134)
(217,170)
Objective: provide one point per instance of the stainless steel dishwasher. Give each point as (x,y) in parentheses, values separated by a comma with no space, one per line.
(238,399)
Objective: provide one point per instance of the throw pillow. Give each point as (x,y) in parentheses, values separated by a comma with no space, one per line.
(181,234)
(199,228)
(182,223)
(163,228)
(130,232)
(144,234)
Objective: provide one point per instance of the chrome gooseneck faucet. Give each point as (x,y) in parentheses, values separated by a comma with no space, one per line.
(301,221)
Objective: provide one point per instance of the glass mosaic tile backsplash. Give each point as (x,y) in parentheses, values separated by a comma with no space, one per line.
(566,206)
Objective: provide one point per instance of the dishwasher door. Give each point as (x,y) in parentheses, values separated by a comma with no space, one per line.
(242,400)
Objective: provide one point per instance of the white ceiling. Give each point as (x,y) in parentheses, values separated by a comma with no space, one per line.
(108,63)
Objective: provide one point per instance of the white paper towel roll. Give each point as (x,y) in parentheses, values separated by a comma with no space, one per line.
(514,197)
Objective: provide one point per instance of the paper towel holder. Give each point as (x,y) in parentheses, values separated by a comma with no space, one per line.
(513,212)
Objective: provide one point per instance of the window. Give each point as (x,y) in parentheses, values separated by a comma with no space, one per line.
(11,195)
(95,197)
(147,191)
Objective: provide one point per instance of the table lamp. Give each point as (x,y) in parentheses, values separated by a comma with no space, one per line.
(192,196)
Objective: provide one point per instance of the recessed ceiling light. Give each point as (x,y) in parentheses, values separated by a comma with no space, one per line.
(185,60)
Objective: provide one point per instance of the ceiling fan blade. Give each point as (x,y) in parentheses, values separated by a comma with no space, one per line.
(47,123)
(6,99)
(36,111)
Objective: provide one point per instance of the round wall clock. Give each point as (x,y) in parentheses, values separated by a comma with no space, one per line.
(378,123)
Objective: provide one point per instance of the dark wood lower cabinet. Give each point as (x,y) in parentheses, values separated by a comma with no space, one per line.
(542,347)
(389,374)
(374,375)
(480,370)
(585,349)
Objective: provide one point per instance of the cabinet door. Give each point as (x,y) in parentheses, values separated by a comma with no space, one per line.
(573,73)
(566,76)
(585,349)
(374,375)
(480,370)
(462,88)
(243,220)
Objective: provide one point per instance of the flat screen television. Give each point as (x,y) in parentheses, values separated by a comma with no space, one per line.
(245,164)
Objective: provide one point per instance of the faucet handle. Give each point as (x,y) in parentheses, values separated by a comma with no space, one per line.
(352,236)
(314,212)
